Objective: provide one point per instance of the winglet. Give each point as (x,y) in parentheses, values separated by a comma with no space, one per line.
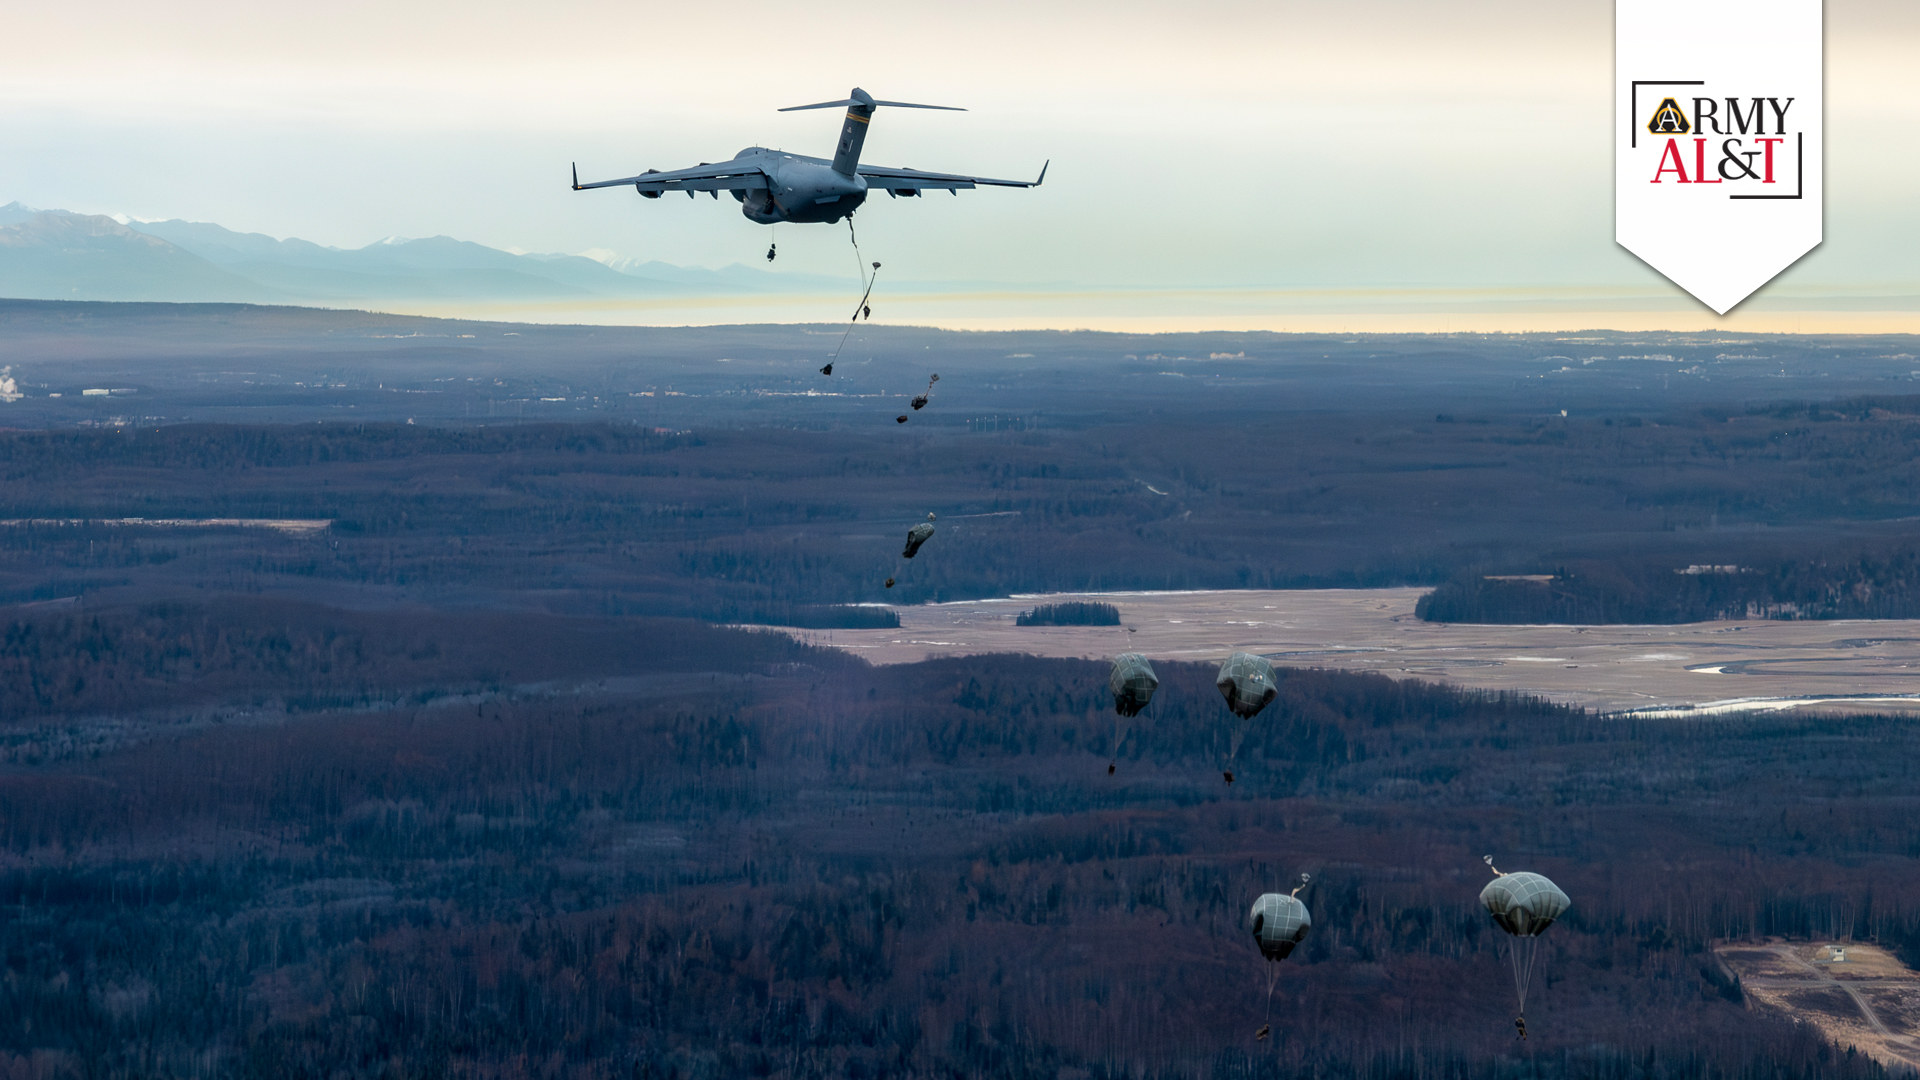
(1043,173)
(576,175)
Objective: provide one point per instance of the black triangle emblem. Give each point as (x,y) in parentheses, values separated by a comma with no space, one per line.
(1668,119)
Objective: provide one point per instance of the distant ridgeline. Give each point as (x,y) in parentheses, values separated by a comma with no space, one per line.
(1879,585)
(1072,613)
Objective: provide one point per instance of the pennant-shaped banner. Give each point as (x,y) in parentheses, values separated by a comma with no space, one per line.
(1717,131)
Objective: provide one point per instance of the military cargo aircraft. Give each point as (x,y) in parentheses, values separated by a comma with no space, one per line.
(773,186)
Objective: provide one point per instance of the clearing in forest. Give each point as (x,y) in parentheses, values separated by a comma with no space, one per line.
(1857,995)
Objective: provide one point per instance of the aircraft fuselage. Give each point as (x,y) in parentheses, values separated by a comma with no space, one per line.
(800,189)
(774,186)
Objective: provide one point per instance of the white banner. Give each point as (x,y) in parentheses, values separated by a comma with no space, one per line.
(1717,139)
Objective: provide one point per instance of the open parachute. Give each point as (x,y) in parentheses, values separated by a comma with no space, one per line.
(1249,684)
(1523,905)
(1133,682)
(1279,922)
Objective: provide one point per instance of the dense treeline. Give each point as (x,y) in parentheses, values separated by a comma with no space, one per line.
(30,455)
(1877,582)
(248,653)
(1069,613)
(757,525)
(925,871)
(250,839)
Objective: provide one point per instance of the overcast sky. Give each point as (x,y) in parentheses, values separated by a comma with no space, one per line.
(1223,143)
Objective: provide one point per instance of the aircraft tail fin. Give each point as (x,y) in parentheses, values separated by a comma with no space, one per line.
(853,132)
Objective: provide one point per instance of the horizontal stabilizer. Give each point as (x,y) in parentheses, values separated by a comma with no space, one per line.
(911,105)
(855,103)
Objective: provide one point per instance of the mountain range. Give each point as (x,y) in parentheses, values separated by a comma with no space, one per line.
(58,255)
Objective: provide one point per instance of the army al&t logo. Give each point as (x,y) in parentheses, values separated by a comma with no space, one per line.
(1717,177)
(1754,148)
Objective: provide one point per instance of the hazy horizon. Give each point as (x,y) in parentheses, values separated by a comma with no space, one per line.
(1390,142)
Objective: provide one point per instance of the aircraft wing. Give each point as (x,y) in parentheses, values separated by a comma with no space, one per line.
(914,179)
(733,175)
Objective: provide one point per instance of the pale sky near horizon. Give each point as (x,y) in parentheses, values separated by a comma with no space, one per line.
(1215,143)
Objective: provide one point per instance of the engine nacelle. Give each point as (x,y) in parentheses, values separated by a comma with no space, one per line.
(758,206)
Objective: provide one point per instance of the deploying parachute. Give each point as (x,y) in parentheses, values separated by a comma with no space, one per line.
(1523,905)
(921,401)
(1248,683)
(863,307)
(916,536)
(1133,683)
(1279,923)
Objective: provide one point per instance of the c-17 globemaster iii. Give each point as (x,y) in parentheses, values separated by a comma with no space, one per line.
(774,186)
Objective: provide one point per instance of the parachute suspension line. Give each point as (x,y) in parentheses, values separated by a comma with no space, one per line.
(855,321)
(1522,953)
(1123,726)
(866,283)
(859,261)
(1273,978)
(860,265)
(1119,729)
(1241,725)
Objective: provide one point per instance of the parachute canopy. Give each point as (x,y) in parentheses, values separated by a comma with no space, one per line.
(1279,922)
(1132,682)
(916,536)
(1248,683)
(1523,904)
